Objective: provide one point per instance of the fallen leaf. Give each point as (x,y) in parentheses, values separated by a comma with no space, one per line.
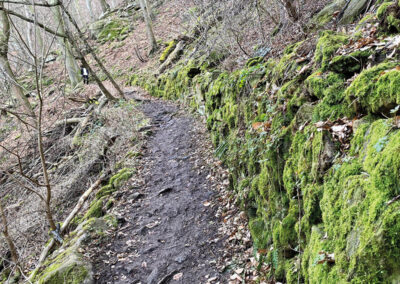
(256,125)
(178,276)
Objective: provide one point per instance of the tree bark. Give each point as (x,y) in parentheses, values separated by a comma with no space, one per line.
(149,25)
(104,6)
(90,10)
(17,91)
(291,9)
(70,62)
(10,243)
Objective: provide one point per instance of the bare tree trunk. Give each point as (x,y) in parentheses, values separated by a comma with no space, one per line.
(17,91)
(149,25)
(90,9)
(104,6)
(291,9)
(10,243)
(70,62)
(78,12)
(29,33)
(91,51)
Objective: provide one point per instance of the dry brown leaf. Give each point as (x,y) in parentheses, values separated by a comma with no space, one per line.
(178,276)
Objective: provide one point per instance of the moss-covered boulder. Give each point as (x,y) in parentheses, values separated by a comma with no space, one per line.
(376,90)
(328,43)
(389,15)
(110,29)
(349,64)
(326,14)
(353,11)
(362,230)
(71,269)
(67,264)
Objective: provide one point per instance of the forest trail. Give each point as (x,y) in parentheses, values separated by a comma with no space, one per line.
(170,232)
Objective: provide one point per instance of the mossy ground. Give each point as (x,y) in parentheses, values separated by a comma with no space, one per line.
(114,30)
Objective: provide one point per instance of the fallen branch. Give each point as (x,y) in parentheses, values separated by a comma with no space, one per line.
(69,121)
(80,129)
(67,221)
(82,200)
(393,200)
(172,57)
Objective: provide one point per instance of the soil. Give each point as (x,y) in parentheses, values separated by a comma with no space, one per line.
(169,225)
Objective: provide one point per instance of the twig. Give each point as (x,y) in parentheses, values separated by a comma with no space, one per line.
(393,200)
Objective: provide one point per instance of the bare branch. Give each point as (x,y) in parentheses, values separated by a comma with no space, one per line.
(30,3)
(22,17)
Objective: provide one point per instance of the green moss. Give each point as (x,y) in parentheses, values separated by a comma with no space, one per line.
(329,88)
(349,64)
(376,89)
(322,85)
(75,274)
(113,30)
(365,20)
(95,210)
(105,191)
(356,217)
(66,267)
(388,13)
(168,50)
(259,233)
(303,196)
(254,61)
(122,176)
(380,13)
(328,43)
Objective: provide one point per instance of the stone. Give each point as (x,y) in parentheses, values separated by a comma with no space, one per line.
(71,267)
(96,27)
(353,10)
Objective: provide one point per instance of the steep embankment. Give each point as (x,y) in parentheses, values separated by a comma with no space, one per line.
(312,144)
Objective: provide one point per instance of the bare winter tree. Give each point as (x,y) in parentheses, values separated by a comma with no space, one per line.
(70,62)
(7,237)
(17,90)
(149,26)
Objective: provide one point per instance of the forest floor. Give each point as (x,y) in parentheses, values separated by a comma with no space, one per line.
(180,225)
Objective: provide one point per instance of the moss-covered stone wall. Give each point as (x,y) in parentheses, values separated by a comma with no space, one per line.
(318,211)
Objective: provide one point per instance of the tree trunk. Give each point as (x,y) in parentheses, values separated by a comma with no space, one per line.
(149,25)
(291,9)
(29,34)
(91,51)
(104,6)
(17,91)
(70,62)
(90,9)
(10,243)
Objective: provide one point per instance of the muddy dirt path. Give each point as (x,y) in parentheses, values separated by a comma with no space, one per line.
(170,234)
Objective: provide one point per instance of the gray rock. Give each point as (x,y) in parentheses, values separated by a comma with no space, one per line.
(96,27)
(71,267)
(353,10)
(325,15)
